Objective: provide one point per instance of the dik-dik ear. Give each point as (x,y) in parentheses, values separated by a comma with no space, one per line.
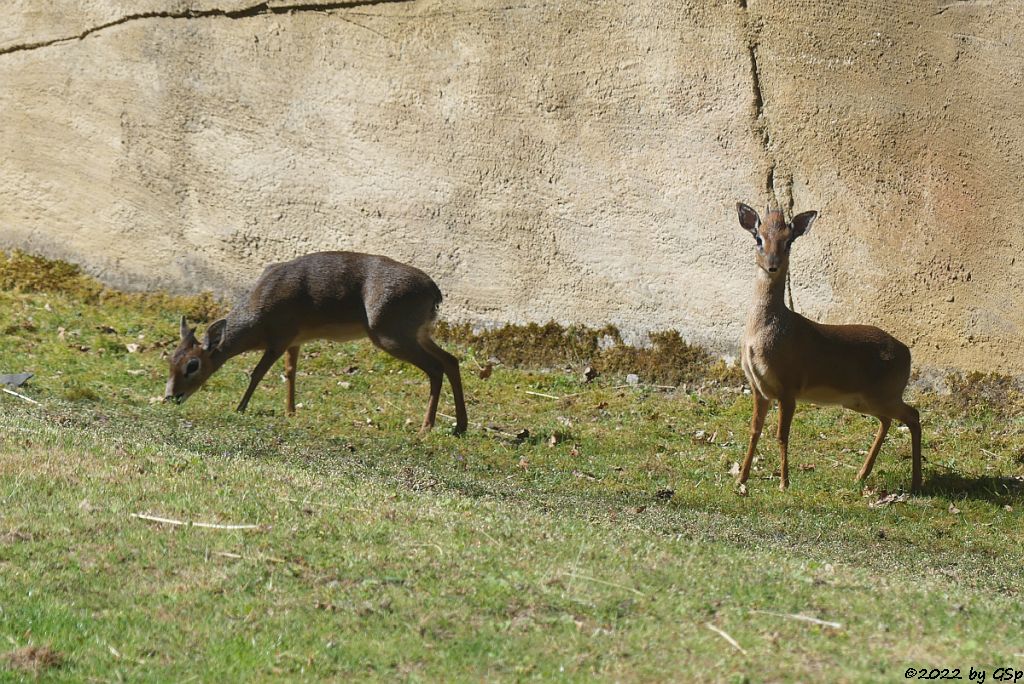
(215,335)
(802,223)
(748,218)
(187,334)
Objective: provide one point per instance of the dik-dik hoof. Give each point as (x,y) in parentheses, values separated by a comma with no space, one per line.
(783,485)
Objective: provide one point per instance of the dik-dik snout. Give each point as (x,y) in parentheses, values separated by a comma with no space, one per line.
(774,237)
(192,362)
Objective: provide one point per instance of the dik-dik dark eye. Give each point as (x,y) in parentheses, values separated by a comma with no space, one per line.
(758,239)
(191,367)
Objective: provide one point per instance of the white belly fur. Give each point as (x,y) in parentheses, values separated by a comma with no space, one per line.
(829,396)
(342,332)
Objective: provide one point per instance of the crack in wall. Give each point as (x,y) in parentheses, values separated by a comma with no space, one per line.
(761,129)
(260,9)
(783,196)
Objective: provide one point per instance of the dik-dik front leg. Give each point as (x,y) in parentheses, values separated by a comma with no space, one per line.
(761,406)
(787,407)
(270,356)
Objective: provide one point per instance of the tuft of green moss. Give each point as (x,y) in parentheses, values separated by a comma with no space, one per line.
(22,272)
(978,391)
(668,360)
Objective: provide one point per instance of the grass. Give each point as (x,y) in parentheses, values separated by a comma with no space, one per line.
(604,544)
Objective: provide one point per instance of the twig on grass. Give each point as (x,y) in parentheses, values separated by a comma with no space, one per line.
(238,556)
(541,394)
(21,396)
(725,636)
(601,581)
(213,526)
(493,540)
(802,618)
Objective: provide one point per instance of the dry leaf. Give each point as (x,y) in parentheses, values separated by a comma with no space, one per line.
(575,451)
(734,469)
(486,371)
(806,466)
(131,347)
(742,490)
(953,509)
(554,440)
(889,499)
(522,435)
(589,373)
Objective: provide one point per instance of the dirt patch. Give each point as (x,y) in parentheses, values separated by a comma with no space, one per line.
(34,659)
(14,536)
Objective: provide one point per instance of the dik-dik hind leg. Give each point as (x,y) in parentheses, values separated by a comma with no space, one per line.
(270,356)
(451,369)
(408,349)
(291,360)
(787,407)
(869,462)
(909,416)
(761,406)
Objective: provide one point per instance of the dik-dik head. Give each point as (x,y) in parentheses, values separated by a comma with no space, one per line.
(774,237)
(192,362)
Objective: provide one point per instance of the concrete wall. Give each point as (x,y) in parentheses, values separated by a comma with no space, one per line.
(568,160)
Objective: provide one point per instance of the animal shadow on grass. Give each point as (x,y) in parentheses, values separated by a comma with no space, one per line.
(997,490)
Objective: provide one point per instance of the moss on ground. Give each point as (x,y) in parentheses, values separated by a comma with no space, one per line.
(21,272)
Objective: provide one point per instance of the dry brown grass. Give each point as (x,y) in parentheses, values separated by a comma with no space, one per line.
(32,659)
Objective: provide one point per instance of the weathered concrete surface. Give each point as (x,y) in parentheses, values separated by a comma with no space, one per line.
(568,160)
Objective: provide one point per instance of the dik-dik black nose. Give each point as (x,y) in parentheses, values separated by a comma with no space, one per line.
(773,269)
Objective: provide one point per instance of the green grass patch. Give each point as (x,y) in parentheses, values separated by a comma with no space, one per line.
(604,544)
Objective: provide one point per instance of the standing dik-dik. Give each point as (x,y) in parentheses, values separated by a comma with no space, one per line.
(327,295)
(788,357)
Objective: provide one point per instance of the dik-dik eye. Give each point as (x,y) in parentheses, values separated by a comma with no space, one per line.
(758,239)
(191,367)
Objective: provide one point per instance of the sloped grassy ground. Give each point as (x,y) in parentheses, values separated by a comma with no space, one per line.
(605,544)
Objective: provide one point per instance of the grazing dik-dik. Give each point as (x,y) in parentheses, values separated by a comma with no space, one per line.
(787,357)
(327,295)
